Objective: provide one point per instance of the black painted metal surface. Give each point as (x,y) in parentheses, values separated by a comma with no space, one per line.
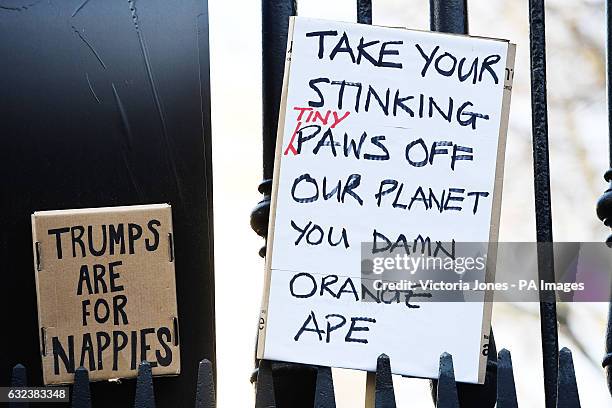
(274,25)
(145,397)
(19,378)
(264,386)
(205,391)
(384,393)
(567,390)
(107,103)
(324,395)
(604,205)
(294,384)
(506,389)
(449,16)
(447,388)
(81,395)
(364,11)
(144,389)
(481,395)
(607,360)
(544,235)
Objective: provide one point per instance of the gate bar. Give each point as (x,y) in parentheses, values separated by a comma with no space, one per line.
(448,16)
(604,205)
(539,125)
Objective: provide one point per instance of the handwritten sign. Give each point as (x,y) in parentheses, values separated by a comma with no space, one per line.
(106,291)
(390,136)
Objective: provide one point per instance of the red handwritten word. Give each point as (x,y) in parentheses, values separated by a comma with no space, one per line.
(310,115)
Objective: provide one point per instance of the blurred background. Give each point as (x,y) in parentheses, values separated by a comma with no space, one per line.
(578,148)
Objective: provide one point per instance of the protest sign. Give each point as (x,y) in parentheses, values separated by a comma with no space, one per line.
(392,137)
(106,291)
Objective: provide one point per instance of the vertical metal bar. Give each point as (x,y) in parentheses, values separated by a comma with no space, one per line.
(607,361)
(264,392)
(448,16)
(274,25)
(325,397)
(539,123)
(364,11)
(604,205)
(294,384)
(609,74)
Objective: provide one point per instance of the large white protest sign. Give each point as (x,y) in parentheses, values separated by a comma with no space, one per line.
(385,135)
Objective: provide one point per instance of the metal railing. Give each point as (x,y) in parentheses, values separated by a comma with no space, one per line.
(144,397)
(280,384)
(295,385)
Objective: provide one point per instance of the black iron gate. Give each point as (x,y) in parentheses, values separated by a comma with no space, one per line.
(294,385)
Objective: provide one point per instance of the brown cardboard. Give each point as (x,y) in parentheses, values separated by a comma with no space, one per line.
(142,322)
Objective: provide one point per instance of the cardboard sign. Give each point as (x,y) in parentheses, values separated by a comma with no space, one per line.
(387,135)
(106,291)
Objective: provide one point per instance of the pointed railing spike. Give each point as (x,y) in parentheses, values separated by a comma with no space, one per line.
(81,397)
(481,395)
(324,393)
(19,378)
(205,390)
(385,395)
(506,389)
(264,394)
(447,389)
(567,390)
(145,398)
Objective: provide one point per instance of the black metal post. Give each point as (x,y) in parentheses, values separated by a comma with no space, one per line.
(604,205)
(364,11)
(607,361)
(325,396)
(539,120)
(294,384)
(274,25)
(264,388)
(448,16)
